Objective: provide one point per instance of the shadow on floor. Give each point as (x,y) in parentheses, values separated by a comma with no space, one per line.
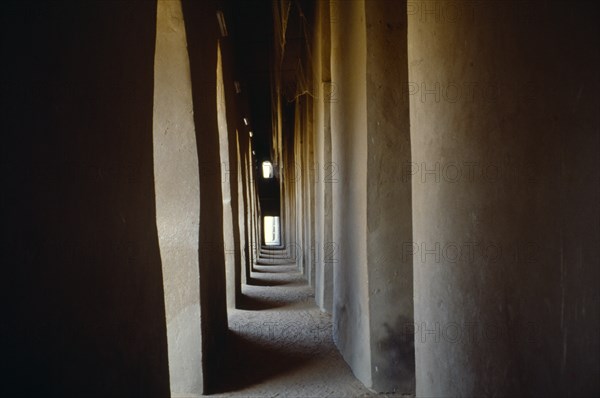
(250,362)
(267,282)
(255,304)
(272,268)
(269,261)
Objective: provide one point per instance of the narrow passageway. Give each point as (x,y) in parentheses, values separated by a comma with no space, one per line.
(280,342)
(300,198)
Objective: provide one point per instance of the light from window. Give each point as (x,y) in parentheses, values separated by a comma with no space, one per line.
(271,231)
(267,169)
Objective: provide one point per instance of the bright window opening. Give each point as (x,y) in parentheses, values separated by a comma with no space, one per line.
(271,231)
(267,169)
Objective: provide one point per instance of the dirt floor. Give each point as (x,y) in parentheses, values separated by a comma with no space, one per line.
(281,343)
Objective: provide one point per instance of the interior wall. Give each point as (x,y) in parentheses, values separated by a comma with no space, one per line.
(290,182)
(324,170)
(299,192)
(85,313)
(505,172)
(177,187)
(389,206)
(318,149)
(247,209)
(233,104)
(328,170)
(249,219)
(349,154)
(254,233)
(202,36)
(242,215)
(309,175)
(226,185)
(313,175)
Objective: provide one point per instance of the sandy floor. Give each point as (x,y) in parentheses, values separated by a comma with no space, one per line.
(281,344)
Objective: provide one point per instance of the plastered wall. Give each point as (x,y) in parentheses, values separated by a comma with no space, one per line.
(389,206)
(86,314)
(351,331)
(504,136)
(177,190)
(201,32)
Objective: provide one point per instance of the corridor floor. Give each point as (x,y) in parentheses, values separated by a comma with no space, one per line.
(281,343)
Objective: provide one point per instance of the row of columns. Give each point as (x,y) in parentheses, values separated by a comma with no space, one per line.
(339,150)
(434,135)
(208,215)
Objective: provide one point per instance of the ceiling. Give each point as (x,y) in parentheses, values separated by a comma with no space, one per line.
(251,26)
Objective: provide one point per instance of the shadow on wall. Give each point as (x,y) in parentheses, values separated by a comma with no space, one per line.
(78,211)
(399,345)
(201,32)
